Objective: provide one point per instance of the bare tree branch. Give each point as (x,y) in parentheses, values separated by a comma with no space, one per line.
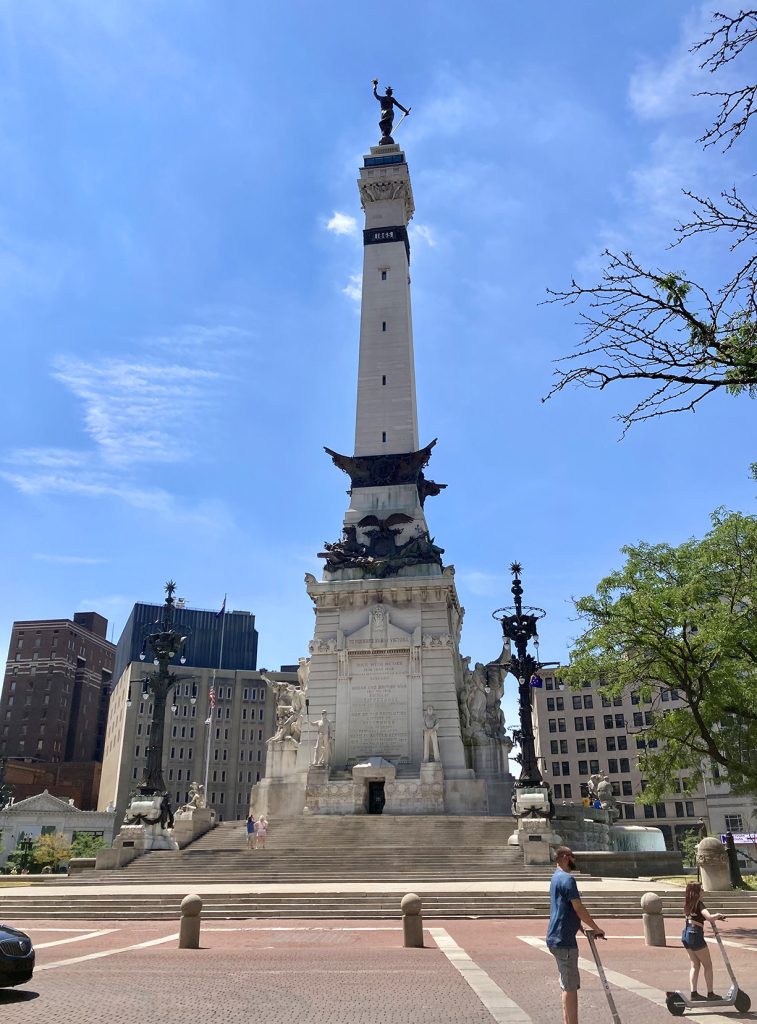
(649,326)
(726,42)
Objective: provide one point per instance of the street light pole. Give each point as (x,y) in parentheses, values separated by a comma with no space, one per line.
(164,644)
(519,625)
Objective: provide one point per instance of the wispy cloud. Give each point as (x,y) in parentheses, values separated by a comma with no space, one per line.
(342,224)
(481,584)
(68,559)
(142,411)
(354,287)
(131,407)
(422,233)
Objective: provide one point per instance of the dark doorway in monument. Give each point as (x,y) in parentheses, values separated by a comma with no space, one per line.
(376,798)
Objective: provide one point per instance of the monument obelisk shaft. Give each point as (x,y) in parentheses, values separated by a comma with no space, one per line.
(387,419)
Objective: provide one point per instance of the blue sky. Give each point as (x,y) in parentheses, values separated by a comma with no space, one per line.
(179,259)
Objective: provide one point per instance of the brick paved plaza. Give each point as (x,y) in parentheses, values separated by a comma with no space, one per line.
(347,973)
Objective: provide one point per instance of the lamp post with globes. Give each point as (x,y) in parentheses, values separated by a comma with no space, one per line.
(165,644)
(519,625)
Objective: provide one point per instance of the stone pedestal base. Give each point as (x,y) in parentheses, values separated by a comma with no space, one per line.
(432,772)
(144,832)
(536,839)
(189,825)
(281,759)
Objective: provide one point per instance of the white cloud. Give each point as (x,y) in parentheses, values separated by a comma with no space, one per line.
(354,287)
(481,584)
(424,233)
(666,88)
(68,559)
(131,408)
(342,224)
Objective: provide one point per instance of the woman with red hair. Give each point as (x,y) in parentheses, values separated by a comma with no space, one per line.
(694,941)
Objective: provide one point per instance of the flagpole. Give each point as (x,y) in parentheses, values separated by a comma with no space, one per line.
(213,688)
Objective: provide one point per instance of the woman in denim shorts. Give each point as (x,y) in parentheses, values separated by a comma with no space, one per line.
(694,942)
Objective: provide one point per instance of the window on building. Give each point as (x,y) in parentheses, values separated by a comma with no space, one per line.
(625,766)
(664,694)
(634,697)
(566,767)
(615,788)
(733,822)
(627,788)
(661,810)
(605,702)
(556,769)
(674,695)
(561,725)
(622,743)
(679,808)
(577,702)
(588,700)
(567,791)
(592,744)
(383,275)
(689,808)
(620,721)
(612,766)
(608,721)
(563,746)
(558,791)
(610,742)
(583,768)
(648,718)
(550,703)
(638,719)
(580,746)
(630,811)
(549,683)
(560,704)
(553,746)
(552,725)
(594,765)
(578,723)
(648,811)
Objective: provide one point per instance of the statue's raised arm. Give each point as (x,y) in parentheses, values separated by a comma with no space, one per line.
(388,103)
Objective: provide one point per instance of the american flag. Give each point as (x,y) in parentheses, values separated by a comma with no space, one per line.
(212,696)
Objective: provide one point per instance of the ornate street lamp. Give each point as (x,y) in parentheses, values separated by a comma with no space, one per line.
(165,644)
(519,625)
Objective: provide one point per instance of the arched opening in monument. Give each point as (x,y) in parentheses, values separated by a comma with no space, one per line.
(376,797)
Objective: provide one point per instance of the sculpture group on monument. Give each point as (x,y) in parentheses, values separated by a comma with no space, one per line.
(404,724)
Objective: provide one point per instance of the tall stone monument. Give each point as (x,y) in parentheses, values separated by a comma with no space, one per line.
(387,616)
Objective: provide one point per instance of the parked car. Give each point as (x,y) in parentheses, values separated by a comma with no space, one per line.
(16,957)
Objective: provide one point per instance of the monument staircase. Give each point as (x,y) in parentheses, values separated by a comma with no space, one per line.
(332,867)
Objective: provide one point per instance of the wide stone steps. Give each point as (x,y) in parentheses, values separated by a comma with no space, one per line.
(341,906)
(345,831)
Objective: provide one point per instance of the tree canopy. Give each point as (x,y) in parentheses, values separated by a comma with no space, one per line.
(682,618)
(656,326)
(51,849)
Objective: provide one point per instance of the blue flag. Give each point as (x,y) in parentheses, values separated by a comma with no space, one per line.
(222,609)
(536,681)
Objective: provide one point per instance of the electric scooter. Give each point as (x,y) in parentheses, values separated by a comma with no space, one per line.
(588,932)
(678,1003)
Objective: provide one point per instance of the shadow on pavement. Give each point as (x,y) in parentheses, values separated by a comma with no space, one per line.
(8,996)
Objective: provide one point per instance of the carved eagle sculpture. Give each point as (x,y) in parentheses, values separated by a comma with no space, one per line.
(396,519)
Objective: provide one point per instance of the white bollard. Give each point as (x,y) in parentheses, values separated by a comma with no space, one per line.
(189,929)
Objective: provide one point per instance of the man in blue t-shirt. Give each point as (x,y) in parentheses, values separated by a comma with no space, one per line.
(567,913)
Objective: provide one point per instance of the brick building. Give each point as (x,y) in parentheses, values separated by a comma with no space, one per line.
(54,703)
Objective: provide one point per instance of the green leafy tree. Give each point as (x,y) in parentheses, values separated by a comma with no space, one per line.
(682,618)
(51,849)
(656,327)
(85,844)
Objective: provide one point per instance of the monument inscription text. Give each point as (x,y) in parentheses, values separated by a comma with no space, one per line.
(379,707)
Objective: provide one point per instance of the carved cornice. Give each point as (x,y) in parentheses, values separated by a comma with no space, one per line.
(376,191)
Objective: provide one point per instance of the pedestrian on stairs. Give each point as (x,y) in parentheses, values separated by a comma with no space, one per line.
(251,825)
(260,832)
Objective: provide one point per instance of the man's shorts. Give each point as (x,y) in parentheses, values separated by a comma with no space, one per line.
(567,964)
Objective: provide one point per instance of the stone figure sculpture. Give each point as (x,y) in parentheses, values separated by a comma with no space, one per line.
(290,705)
(430,737)
(388,103)
(322,755)
(600,788)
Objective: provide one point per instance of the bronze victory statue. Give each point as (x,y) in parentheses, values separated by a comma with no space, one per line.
(388,103)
